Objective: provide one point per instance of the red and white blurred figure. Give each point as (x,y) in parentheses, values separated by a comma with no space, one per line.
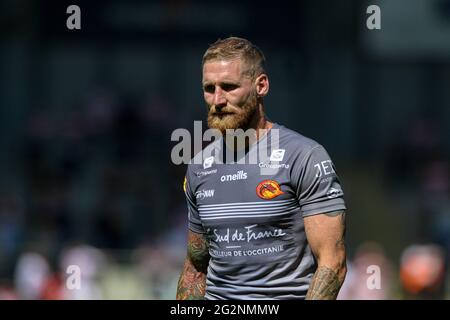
(31,275)
(422,271)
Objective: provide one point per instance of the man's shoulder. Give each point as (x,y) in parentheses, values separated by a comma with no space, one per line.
(295,140)
(206,157)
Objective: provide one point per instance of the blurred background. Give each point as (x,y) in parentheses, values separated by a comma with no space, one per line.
(86,118)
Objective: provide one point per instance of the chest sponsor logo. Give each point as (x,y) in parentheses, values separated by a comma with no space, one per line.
(205,173)
(240,175)
(277,155)
(247,234)
(273,165)
(208,162)
(268,189)
(239,242)
(202,194)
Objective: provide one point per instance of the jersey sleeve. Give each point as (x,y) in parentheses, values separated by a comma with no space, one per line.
(316,182)
(194,222)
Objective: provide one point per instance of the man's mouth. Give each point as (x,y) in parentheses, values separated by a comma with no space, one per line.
(222,114)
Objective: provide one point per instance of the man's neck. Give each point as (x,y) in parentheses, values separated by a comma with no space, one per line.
(263,127)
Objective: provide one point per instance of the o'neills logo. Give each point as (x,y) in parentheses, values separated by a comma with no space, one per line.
(268,189)
(240,175)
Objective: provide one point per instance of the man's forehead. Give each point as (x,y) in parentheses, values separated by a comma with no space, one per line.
(218,69)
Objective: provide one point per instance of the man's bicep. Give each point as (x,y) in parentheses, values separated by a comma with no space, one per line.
(326,234)
(198,250)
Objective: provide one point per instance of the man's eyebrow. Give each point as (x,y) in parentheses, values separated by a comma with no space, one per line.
(230,82)
(207,83)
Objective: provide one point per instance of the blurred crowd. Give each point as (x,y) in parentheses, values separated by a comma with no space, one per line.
(93,187)
(87,183)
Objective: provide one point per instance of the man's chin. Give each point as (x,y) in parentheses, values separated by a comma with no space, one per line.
(222,124)
(230,121)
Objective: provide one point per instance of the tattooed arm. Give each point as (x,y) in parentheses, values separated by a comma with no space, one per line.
(325,234)
(192,282)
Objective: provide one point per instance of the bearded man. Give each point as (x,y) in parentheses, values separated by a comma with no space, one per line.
(262,225)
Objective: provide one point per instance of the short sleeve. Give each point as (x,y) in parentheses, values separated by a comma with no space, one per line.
(194,222)
(317,185)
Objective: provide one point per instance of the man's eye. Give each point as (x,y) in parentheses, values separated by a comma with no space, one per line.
(209,89)
(228,86)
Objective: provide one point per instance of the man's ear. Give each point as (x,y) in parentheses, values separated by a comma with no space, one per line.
(262,85)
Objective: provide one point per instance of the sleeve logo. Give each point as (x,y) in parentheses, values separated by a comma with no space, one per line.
(268,189)
(334,193)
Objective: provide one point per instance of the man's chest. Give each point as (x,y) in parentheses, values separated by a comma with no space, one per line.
(245,195)
(248,211)
(248,183)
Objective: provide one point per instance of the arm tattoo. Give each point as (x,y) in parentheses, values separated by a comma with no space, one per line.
(191,285)
(192,282)
(325,285)
(198,252)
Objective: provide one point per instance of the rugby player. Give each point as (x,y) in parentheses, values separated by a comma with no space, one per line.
(266,229)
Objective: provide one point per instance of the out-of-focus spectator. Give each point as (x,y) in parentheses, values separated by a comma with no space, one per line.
(422,272)
(90,262)
(369,275)
(31,274)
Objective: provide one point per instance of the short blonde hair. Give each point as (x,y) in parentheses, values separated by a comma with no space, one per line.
(237,48)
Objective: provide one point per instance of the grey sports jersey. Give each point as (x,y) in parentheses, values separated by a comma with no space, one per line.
(252,214)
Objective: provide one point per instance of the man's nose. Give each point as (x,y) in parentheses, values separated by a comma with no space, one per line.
(219,98)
